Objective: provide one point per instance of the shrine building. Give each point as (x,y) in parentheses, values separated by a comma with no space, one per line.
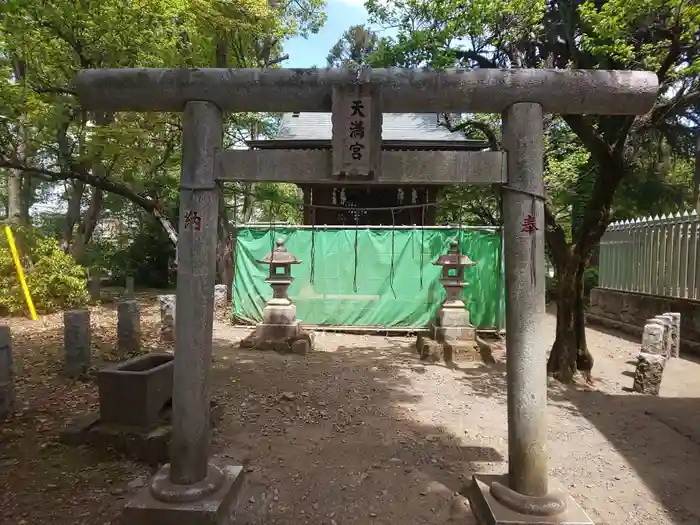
(400,132)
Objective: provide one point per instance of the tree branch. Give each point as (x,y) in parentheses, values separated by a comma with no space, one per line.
(481,61)
(672,108)
(555,237)
(145,203)
(481,126)
(54,91)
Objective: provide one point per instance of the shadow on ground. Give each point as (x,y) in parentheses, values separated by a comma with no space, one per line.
(332,438)
(646,431)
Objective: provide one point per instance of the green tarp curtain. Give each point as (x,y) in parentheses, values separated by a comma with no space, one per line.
(385,290)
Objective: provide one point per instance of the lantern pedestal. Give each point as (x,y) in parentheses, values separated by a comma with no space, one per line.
(280,330)
(279,321)
(451,336)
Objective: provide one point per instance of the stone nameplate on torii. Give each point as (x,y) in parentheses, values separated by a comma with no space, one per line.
(357,132)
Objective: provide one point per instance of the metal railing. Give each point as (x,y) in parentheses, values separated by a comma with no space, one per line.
(653,255)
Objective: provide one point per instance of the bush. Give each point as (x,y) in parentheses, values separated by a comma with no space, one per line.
(55,280)
(590,280)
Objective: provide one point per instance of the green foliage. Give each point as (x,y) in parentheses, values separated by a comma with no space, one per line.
(279,202)
(660,35)
(54,279)
(354,48)
(590,280)
(45,132)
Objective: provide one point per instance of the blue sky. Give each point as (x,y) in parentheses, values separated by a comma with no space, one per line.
(313,52)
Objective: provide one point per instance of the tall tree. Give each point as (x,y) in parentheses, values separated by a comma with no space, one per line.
(657,35)
(353,48)
(133,156)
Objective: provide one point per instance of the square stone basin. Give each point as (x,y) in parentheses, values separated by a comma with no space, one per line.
(134,392)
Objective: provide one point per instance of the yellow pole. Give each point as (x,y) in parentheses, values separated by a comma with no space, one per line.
(20,272)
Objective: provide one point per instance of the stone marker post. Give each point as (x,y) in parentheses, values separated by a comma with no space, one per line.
(128,328)
(190,486)
(668,320)
(653,341)
(676,334)
(167,317)
(648,373)
(95,285)
(220,295)
(130,287)
(7,386)
(77,341)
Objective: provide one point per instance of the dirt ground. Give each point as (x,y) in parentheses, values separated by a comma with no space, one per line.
(360,432)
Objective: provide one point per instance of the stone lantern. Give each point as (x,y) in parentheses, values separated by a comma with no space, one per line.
(280,277)
(450,333)
(453,308)
(280,329)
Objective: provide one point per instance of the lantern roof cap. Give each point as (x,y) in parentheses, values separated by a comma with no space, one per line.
(279,255)
(454,257)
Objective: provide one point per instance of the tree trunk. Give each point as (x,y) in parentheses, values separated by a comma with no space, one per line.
(27,198)
(14,196)
(72,214)
(14,179)
(570,351)
(88,224)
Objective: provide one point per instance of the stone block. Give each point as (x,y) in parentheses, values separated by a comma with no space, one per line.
(464,351)
(653,341)
(452,317)
(220,295)
(150,446)
(7,385)
(128,327)
(277,314)
(667,322)
(648,373)
(431,350)
(453,333)
(134,392)
(167,305)
(95,286)
(675,334)
(489,511)
(278,332)
(77,341)
(213,509)
(486,351)
(301,346)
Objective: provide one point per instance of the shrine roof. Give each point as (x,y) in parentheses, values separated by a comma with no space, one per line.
(399,131)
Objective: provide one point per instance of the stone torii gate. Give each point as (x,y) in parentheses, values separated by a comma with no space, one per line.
(192,490)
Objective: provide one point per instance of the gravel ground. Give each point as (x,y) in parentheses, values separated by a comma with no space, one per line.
(360,432)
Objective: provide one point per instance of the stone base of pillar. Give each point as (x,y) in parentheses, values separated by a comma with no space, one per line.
(275,332)
(209,502)
(147,445)
(432,350)
(489,511)
(282,338)
(453,333)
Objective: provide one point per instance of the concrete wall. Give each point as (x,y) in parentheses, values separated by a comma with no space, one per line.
(628,311)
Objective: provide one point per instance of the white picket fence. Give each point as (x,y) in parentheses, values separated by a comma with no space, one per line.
(653,255)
